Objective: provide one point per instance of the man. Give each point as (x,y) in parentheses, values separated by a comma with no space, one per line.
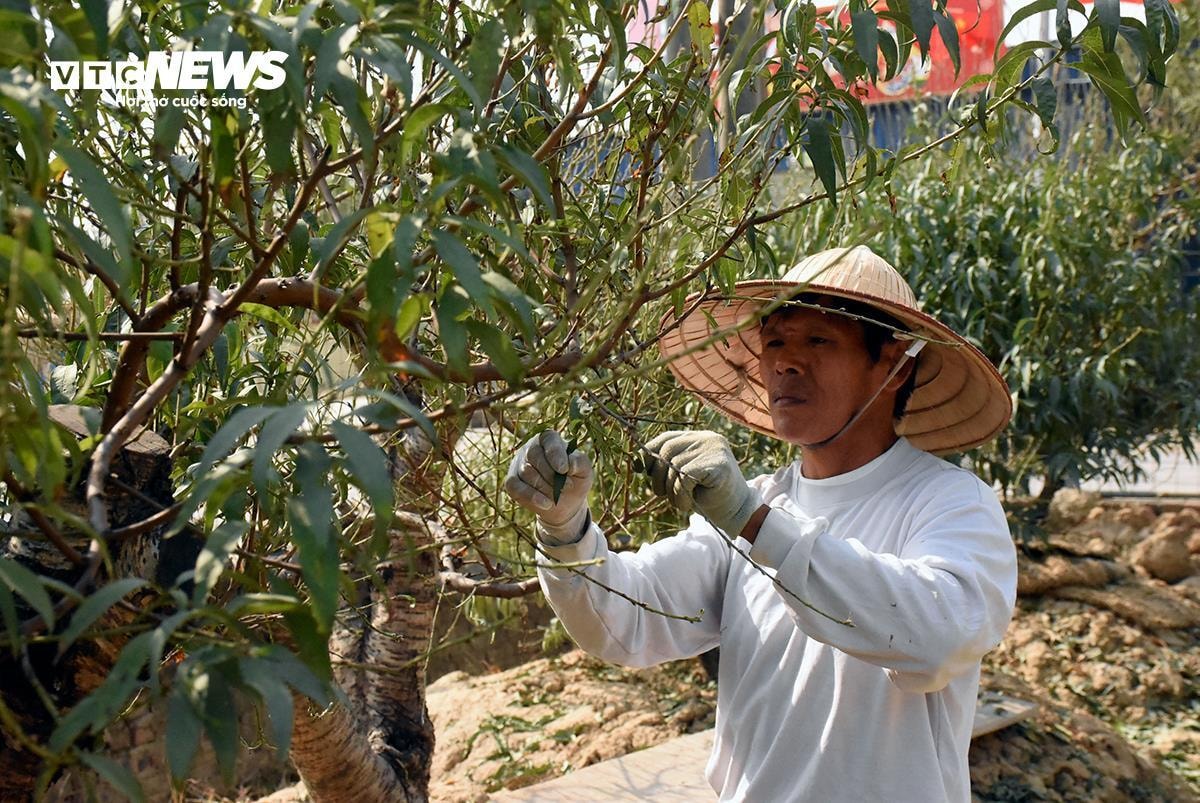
(852,593)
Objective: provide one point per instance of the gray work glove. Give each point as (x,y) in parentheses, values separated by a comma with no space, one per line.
(695,470)
(530,482)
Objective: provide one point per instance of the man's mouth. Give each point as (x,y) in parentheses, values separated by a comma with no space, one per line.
(786,399)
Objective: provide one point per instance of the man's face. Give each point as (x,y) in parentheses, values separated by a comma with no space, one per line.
(818,373)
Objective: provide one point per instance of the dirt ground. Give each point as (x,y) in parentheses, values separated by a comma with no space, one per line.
(1108,649)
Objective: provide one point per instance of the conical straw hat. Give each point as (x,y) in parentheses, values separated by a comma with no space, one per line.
(960,400)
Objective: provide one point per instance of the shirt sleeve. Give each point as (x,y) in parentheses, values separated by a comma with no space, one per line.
(683,575)
(927,614)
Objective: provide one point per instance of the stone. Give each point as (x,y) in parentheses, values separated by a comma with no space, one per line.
(1164,554)
(1069,507)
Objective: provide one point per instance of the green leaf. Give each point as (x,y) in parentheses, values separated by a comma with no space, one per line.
(104,202)
(700,26)
(183,733)
(484,55)
(380,227)
(820,150)
(514,300)
(949,33)
(529,170)
(1163,23)
(12,624)
(221,723)
(334,47)
(296,674)
(277,429)
(369,465)
(275,696)
(23,582)
(1011,65)
(95,605)
(465,268)
(865,26)
(1062,23)
(167,126)
(213,558)
(334,239)
(310,512)
(1046,101)
(497,345)
(411,311)
(1108,13)
(353,101)
(229,435)
(452,307)
(117,775)
(920,12)
(1109,77)
(1026,11)
(268,314)
(418,122)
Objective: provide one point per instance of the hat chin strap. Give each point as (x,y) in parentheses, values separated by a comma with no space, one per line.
(910,353)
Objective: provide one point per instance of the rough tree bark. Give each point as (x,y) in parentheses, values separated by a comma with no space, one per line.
(142,487)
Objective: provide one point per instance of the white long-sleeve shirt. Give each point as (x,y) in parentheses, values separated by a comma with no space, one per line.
(914,551)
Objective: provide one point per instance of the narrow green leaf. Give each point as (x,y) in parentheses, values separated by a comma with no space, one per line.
(1163,22)
(514,300)
(497,345)
(353,101)
(411,311)
(484,55)
(213,558)
(1109,77)
(820,150)
(1026,11)
(275,696)
(221,723)
(277,429)
(865,26)
(100,195)
(949,33)
(25,583)
(12,624)
(921,14)
(268,314)
(1108,13)
(1011,65)
(183,733)
(452,307)
(296,674)
(310,512)
(700,26)
(334,46)
(117,775)
(465,268)
(529,170)
(335,237)
(1062,23)
(95,605)
(229,435)
(369,465)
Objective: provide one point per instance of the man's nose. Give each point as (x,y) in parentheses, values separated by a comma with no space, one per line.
(791,363)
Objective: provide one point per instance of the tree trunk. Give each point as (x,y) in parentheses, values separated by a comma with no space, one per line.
(144,465)
(381,747)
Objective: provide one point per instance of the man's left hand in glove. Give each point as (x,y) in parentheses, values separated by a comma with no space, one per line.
(696,470)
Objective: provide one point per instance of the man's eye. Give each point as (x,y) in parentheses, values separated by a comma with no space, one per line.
(817,341)
(774,344)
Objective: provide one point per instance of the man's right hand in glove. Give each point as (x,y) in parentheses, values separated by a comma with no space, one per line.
(531,480)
